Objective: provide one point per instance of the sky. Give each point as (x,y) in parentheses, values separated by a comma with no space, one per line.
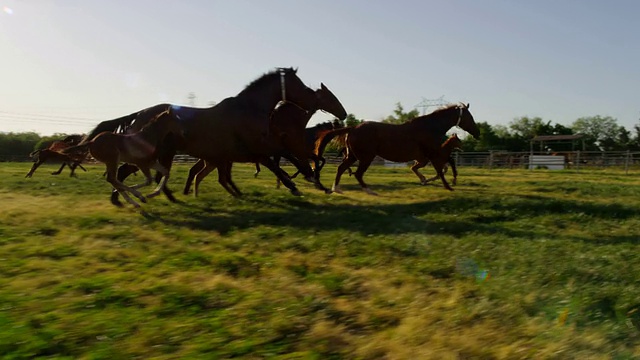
(66,65)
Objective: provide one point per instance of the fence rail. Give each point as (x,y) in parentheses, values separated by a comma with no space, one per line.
(490,159)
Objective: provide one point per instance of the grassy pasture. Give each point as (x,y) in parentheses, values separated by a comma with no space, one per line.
(512,265)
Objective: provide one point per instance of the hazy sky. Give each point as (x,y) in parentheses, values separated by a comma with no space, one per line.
(65,65)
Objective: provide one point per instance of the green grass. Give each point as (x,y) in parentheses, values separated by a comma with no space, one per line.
(513,264)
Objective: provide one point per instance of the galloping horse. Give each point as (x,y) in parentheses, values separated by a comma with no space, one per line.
(234,130)
(140,148)
(292,145)
(417,139)
(441,159)
(286,138)
(52,154)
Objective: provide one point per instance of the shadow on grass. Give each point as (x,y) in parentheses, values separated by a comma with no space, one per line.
(462,215)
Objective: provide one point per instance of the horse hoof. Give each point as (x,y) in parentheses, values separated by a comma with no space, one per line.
(296,192)
(370,192)
(328,191)
(143,199)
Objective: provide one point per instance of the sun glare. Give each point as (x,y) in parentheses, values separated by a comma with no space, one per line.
(7,10)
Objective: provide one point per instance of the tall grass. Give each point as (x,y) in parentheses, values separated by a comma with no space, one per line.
(513,264)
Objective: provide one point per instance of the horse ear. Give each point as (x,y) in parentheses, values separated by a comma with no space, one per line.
(467,106)
(295,71)
(322,86)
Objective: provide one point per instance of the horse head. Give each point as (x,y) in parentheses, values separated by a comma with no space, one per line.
(453,142)
(294,90)
(466,121)
(329,103)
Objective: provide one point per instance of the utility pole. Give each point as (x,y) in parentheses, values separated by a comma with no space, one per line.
(427,103)
(192,98)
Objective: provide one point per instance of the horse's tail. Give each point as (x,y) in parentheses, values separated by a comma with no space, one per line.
(77,152)
(326,136)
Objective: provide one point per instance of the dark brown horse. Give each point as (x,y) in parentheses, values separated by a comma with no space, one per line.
(416,139)
(234,130)
(52,154)
(140,149)
(286,138)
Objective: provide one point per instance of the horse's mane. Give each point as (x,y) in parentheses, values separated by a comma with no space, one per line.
(267,77)
(156,118)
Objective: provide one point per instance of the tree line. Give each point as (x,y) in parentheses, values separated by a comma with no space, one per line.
(600,133)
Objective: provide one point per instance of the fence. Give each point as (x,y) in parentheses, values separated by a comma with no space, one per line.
(575,160)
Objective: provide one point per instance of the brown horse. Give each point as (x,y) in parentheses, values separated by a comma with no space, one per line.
(443,158)
(140,149)
(286,138)
(52,154)
(418,138)
(236,129)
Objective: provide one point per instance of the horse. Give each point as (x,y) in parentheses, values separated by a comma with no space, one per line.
(140,148)
(52,154)
(236,129)
(286,138)
(416,139)
(418,164)
(450,144)
(310,135)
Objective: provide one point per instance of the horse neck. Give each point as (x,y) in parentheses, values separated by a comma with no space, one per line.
(448,146)
(262,97)
(154,132)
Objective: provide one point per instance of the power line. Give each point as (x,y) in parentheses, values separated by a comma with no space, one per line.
(427,103)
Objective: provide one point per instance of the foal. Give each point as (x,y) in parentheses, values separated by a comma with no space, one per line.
(52,154)
(140,149)
(440,161)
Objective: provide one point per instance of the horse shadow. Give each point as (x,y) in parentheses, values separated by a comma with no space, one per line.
(397,219)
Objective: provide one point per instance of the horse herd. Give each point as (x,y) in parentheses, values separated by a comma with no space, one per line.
(266,121)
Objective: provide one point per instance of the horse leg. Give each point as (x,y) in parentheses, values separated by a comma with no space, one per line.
(81,167)
(33,168)
(417,165)
(363,165)
(60,170)
(284,178)
(163,182)
(438,165)
(276,158)
(226,172)
(73,167)
(344,165)
(195,169)
(255,175)
(452,162)
(119,187)
(165,158)
(207,168)
(122,173)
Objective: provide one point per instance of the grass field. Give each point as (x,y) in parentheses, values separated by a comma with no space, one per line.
(512,265)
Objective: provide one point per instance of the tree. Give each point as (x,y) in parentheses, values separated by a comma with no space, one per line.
(488,140)
(351,120)
(399,116)
(600,132)
(528,128)
(17,145)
